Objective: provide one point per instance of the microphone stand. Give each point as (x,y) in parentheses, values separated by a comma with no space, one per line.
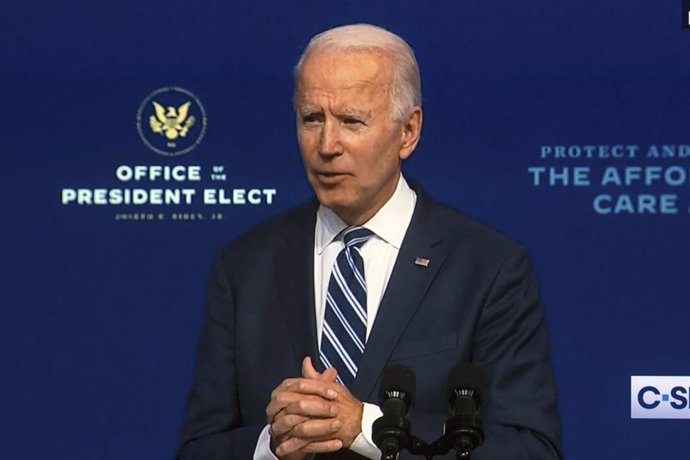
(459,438)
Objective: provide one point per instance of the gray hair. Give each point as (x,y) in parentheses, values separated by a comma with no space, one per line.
(407,88)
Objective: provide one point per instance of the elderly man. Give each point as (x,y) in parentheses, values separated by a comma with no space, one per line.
(304,312)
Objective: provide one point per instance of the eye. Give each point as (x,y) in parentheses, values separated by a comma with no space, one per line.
(352,121)
(311,118)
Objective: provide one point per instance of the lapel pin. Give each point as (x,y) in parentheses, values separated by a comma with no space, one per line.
(422,262)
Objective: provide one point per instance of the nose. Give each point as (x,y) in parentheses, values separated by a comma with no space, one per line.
(329,141)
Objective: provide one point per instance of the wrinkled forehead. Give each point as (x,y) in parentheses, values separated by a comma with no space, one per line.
(344,72)
(343,66)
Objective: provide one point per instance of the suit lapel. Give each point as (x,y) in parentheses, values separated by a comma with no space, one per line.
(294,267)
(406,288)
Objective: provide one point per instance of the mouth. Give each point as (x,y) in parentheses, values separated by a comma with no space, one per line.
(329,178)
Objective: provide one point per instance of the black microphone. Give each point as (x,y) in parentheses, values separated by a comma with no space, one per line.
(463,430)
(391,431)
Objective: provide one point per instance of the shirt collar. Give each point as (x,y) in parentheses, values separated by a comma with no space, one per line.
(389,223)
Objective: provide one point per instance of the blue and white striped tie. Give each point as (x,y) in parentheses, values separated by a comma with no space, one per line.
(345,319)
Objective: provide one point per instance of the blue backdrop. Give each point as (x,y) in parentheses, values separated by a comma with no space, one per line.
(541,118)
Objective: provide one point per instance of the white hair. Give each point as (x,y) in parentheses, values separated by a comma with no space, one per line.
(406,91)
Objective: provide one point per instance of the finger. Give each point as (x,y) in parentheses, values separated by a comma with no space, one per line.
(317,447)
(316,429)
(311,407)
(293,445)
(274,408)
(289,446)
(289,384)
(278,405)
(308,371)
(305,386)
(298,389)
(275,405)
(284,385)
(307,406)
(283,424)
(329,375)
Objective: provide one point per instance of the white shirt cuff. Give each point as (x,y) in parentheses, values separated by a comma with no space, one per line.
(363,444)
(263,446)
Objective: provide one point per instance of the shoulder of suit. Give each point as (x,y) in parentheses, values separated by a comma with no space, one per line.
(266,235)
(471,234)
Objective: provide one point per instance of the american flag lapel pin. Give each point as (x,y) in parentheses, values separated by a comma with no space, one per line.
(422,262)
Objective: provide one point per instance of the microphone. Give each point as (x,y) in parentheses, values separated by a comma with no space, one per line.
(391,431)
(463,430)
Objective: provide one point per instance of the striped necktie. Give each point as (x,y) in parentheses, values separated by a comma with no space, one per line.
(345,319)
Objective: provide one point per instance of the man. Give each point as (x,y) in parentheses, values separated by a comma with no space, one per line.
(305,312)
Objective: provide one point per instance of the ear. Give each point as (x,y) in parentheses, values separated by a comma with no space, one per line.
(412,129)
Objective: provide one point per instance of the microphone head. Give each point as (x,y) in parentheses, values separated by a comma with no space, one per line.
(398,381)
(466,379)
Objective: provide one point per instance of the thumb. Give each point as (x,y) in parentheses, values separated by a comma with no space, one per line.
(308,371)
(329,375)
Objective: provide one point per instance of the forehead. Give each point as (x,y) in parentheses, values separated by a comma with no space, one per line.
(344,74)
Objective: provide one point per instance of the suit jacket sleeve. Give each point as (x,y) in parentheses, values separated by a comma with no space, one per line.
(213,427)
(511,345)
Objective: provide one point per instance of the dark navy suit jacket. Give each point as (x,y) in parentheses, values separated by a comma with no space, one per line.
(476,301)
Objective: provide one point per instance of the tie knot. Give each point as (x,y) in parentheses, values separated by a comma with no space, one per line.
(356,236)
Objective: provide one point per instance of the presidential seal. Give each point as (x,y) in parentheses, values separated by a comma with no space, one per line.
(171,121)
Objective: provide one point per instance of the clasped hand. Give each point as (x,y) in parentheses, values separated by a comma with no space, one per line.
(312,414)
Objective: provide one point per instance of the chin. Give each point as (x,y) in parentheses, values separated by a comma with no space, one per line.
(332,203)
(335,201)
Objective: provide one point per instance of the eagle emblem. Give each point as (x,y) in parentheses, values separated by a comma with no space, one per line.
(171,122)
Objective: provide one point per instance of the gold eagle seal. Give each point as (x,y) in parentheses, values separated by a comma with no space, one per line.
(171,121)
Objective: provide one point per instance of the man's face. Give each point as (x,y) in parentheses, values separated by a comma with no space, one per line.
(351,147)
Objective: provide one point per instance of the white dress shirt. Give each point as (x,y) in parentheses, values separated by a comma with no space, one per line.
(379,253)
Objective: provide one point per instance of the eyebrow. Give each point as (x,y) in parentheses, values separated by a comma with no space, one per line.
(308,109)
(344,112)
(352,111)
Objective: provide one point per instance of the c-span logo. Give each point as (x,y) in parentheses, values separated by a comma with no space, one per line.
(659,397)
(171,121)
